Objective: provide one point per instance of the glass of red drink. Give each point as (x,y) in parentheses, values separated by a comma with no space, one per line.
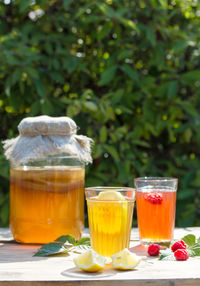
(156,206)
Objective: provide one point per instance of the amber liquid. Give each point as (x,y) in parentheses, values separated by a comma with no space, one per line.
(46,203)
(156,221)
(110,225)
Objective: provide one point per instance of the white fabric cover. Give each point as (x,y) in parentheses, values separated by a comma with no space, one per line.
(44,136)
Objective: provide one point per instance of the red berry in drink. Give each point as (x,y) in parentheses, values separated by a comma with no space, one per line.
(178,245)
(154,249)
(181,254)
(154,198)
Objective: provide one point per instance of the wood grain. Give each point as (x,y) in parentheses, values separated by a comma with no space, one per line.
(18,266)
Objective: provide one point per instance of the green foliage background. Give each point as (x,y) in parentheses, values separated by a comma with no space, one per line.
(126,71)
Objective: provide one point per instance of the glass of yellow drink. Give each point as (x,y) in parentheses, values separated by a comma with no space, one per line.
(110,211)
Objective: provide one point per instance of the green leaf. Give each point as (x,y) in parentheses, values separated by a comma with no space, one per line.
(113,152)
(24,4)
(32,72)
(180,46)
(166,254)
(194,250)
(63,245)
(35,108)
(84,241)
(51,249)
(141,143)
(191,76)
(108,11)
(16,76)
(90,106)
(189,108)
(104,31)
(40,87)
(47,107)
(70,64)
(130,72)
(128,23)
(125,54)
(189,239)
(66,239)
(5,213)
(107,75)
(151,36)
(172,89)
(103,134)
(163,3)
(56,76)
(67,3)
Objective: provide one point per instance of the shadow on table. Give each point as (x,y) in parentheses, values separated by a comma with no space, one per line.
(140,250)
(12,251)
(76,273)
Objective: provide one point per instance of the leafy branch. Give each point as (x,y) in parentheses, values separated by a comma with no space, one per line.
(193,248)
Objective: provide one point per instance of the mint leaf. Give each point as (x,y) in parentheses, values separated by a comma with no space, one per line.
(189,239)
(64,244)
(50,249)
(166,254)
(167,257)
(198,240)
(194,250)
(66,239)
(84,241)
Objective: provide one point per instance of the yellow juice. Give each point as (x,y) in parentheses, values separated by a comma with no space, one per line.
(110,224)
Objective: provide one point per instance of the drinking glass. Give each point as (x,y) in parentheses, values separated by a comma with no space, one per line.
(110,211)
(156,205)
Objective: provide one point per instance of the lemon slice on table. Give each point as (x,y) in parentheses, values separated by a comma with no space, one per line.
(110,196)
(125,260)
(90,261)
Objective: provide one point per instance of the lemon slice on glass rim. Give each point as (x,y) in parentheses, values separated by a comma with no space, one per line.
(90,261)
(110,196)
(125,260)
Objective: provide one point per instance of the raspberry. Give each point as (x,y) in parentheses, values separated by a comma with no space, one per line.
(181,254)
(178,245)
(154,198)
(154,249)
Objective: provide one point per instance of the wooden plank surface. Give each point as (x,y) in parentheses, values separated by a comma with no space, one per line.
(18,266)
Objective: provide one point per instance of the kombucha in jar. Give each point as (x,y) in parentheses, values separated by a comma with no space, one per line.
(47,199)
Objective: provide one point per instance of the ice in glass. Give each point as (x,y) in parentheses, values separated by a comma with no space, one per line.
(110,212)
(156,205)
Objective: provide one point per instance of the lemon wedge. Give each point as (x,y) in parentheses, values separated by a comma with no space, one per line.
(110,196)
(125,260)
(90,261)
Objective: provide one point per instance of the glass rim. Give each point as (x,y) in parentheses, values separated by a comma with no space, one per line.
(156,179)
(99,188)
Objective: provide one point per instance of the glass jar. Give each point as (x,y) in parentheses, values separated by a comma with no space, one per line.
(47,199)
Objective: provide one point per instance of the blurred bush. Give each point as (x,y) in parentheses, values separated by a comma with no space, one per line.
(127,72)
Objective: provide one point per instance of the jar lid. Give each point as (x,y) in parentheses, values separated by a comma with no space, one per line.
(44,136)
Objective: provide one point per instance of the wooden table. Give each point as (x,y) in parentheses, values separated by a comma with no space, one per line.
(18,266)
